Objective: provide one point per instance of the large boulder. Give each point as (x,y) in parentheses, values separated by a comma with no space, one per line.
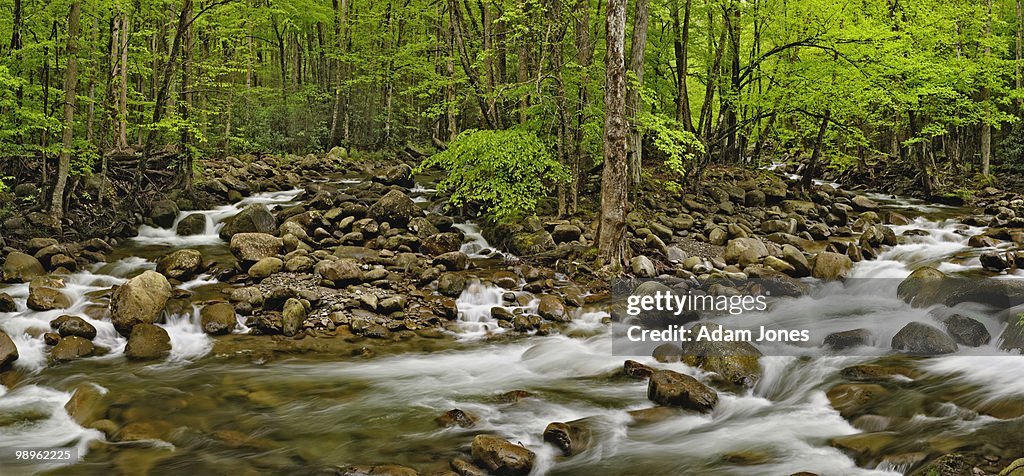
(441,243)
(147,342)
(395,208)
(643,267)
(218,318)
(88,403)
(673,389)
(530,243)
(181,264)
(139,300)
(848,339)
(501,457)
(252,247)
(564,232)
(255,218)
(20,268)
(571,438)
(163,213)
(830,266)
(744,251)
(8,351)
(924,339)
(863,204)
(924,287)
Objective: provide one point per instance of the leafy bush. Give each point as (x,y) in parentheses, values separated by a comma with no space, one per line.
(504,170)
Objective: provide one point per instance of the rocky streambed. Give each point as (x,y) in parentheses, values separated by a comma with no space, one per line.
(347,325)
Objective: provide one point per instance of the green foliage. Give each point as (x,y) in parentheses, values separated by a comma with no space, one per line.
(679,146)
(507,171)
(3,184)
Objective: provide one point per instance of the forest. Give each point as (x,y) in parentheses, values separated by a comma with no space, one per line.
(933,86)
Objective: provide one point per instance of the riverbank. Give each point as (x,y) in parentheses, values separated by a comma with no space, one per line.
(291,327)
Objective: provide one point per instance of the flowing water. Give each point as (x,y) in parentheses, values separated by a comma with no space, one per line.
(293,415)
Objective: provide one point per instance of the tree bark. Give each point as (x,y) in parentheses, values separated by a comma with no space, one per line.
(812,166)
(682,41)
(614,181)
(633,105)
(70,86)
(986,126)
(585,58)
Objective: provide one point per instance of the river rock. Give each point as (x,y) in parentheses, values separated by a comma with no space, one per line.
(265,267)
(1015,468)
(924,287)
(551,308)
(400,175)
(218,318)
(163,213)
(8,351)
(530,243)
(451,284)
(635,369)
(669,388)
(564,233)
(921,338)
(44,294)
(463,468)
(744,251)
(255,218)
(7,303)
(147,342)
(453,261)
(340,271)
(252,247)
(502,457)
(456,417)
(88,403)
(441,243)
(192,224)
(735,363)
(967,331)
(848,339)
(571,438)
(73,326)
(829,266)
(995,261)
(20,267)
(292,317)
(863,204)
(71,348)
(395,208)
(852,399)
(643,267)
(139,300)
(181,264)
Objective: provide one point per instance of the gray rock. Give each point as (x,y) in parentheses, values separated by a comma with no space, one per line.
(848,339)
(73,326)
(924,339)
(564,233)
(829,265)
(8,351)
(218,318)
(745,251)
(192,224)
(551,308)
(292,317)
(643,267)
(20,268)
(967,331)
(265,267)
(71,348)
(340,271)
(441,243)
(451,284)
(7,303)
(252,247)
(395,208)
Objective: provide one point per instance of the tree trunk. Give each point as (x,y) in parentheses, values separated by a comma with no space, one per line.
(633,105)
(1019,51)
(611,239)
(812,166)
(70,85)
(986,126)
(682,41)
(185,106)
(585,57)
(122,86)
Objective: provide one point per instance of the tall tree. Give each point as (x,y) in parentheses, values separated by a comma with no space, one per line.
(611,238)
(70,86)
